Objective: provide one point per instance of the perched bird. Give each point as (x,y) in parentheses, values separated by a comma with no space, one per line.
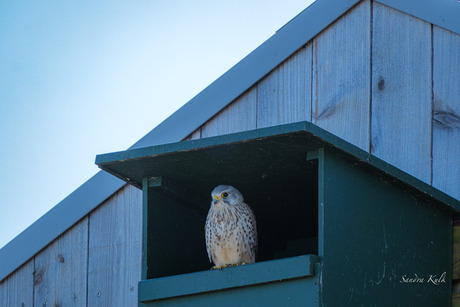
(231,233)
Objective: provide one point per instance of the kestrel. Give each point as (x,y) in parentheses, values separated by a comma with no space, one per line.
(231,233)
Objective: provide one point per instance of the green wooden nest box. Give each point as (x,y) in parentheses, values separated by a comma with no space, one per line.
(336,225)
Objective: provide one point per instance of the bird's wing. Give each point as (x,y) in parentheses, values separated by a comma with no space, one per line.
(254,225)
(208,234)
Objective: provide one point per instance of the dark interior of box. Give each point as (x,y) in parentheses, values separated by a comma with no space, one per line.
(276,180)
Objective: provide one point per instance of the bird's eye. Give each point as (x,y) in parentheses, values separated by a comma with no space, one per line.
(224,195)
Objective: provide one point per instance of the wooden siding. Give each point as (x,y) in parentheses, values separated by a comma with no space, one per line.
(100,254)
(341,77)
(195,135)
(401,91)
(115,247)
(381,79)
(284,95)
(18,288)
(446,111)
(238,116)
(446,130)
(60,269)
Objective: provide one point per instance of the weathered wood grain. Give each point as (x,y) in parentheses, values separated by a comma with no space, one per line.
(401,91)
(446,111)
(18,288)
(194,135)
(240,115)
(60,269)
(284,95)
(341,99)
(115,247)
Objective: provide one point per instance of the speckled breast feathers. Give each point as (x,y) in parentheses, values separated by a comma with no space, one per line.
(231,233)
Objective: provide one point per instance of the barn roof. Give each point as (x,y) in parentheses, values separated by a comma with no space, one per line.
(205,105)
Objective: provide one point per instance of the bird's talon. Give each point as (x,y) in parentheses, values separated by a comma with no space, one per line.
(219,267)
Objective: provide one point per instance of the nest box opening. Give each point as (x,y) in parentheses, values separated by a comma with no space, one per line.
(276,179)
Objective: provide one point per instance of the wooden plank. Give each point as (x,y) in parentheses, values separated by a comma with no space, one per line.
(442,13)
(446,111)
(232,277)
(194,135)
(284,95)
(18,288)
(115,248)
(291,292)
(341,77)
(60,269)
(240,115)
(56,221)
(401,91)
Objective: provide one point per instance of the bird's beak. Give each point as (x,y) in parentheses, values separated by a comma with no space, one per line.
(215,199)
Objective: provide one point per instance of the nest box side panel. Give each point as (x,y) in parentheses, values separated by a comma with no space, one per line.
(381,242)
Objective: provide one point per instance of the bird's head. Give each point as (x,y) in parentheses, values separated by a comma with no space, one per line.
(226,195)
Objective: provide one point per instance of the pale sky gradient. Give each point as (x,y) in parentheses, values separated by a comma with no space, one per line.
(80,78)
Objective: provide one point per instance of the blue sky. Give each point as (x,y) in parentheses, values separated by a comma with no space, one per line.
(80,78)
